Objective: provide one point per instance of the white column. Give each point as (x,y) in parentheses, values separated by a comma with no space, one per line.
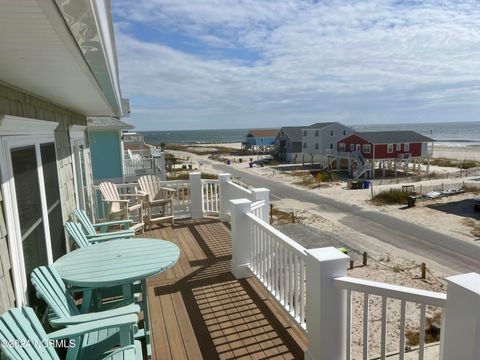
(241,238)
(223,180)
(461,324)
(196,195)
(259,194)
(325,305)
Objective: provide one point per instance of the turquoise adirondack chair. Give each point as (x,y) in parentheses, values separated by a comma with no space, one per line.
(90,229)
(75,232)
(50,287)
(21,326)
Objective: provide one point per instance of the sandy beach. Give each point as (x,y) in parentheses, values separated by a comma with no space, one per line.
(457,152)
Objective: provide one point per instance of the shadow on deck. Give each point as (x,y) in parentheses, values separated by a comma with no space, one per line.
(198,310)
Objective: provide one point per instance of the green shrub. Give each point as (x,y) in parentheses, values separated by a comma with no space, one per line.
(465,164)
(325,176)
(392,196)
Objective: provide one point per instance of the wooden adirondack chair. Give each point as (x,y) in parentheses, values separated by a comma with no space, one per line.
(50,287)
(118,208)
(90,229)
(21,326)
(156,197)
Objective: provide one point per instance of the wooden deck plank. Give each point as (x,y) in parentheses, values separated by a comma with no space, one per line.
(199,310)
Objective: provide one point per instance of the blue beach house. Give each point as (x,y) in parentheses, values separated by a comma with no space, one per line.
(260,139)
(106,147)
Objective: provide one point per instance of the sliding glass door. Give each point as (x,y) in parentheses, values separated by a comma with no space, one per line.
(34,216)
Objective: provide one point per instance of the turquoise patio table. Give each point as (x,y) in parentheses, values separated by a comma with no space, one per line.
(118,262)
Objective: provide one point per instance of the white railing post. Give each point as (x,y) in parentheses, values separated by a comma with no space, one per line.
(263,194)
(461,323)
(241,237)
(196,205)
(325,304)
(223,180)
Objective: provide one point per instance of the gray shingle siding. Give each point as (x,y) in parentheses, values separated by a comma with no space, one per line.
(17,103)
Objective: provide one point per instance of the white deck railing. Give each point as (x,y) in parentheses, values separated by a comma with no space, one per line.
(279,263)
(140,162)
(312,287)
(386,291)
(211,196)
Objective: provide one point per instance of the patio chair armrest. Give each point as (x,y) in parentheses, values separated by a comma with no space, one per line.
(169,189)
(77,330)
(126,234)
(140,192)
(111,223)
(118,201)
(79,319)
(132,195)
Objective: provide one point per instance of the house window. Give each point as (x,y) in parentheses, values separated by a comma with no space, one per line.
(399,147)
(357,147)
(341,146)
(406,147)
(331,145)
(304,145)
(352,147)
(316,146)
(331,132)
(316,132)
(344,132)
(367,148)
(304,132)
(389,148)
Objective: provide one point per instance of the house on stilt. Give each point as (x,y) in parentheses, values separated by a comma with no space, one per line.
(395,151)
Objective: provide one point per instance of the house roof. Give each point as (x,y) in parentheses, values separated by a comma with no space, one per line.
(106,122)
(294,133)
(393,137)
(320,125)
(263,132)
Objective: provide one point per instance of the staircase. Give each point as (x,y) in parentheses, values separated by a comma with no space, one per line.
(361,167)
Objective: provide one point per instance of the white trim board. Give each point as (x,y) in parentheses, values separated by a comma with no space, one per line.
(14,125)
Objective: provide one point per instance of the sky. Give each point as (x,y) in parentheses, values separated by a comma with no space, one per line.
(220,64)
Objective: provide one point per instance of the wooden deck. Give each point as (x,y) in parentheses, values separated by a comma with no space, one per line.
(198,310)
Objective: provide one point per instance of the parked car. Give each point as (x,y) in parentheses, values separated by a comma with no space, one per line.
(476,204)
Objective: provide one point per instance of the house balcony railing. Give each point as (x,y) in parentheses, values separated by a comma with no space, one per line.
(143,162)
(312,285)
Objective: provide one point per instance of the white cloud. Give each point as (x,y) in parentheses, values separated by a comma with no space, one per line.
(353,61)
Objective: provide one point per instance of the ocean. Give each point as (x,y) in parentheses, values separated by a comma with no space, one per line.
(446,134)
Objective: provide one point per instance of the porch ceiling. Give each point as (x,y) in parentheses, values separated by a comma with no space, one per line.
(40,55)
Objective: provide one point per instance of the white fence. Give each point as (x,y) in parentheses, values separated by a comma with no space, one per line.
(386,291)
(422,189)
(210,196)
(312,286)
(279,263)
(136,165)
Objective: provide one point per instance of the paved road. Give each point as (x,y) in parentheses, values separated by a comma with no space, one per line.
(446,250)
